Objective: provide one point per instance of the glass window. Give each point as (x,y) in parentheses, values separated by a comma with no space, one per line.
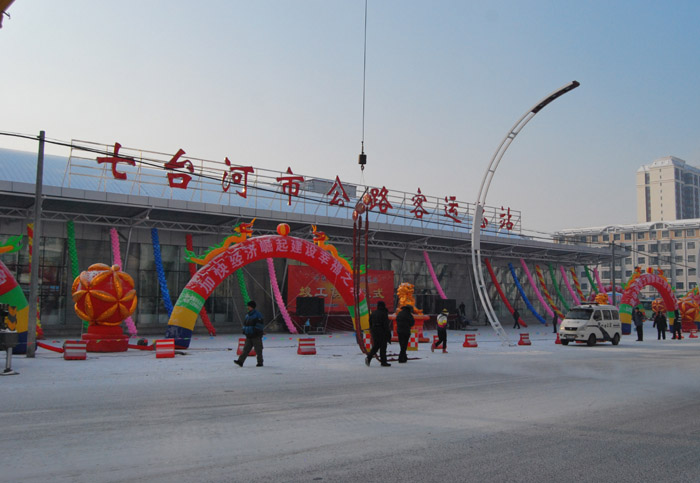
(579,314)
(654,248)
(628,236)
(691,272)
(641,247)
(678,246)
(691,258)
(641,260)
(664,234)
(679,272)
(652,235)
(628,273)
(679,285)
(665,247)
(641,236)
(678,258)
(597,315)
(678,233)
(654,260)
(689,232)
(606,237)
(691,245)
(616,236)
(628,260)
(607,315)
(692,285)
(606,274)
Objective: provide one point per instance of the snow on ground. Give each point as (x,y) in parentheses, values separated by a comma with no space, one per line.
(197,417)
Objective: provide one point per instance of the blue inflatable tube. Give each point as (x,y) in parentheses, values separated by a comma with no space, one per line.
(522,294)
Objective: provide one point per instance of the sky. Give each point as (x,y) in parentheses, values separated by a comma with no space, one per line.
(279,83)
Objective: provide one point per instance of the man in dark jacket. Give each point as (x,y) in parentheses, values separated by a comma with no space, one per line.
(638,319)
(404,322)
(253,328)
(660,324)
(380,328)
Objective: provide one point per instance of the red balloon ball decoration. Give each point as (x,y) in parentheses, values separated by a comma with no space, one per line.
(283,229)
(104,295)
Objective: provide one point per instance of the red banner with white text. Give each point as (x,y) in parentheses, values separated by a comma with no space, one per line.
(305,281)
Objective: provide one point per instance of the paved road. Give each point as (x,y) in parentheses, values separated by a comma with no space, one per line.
(557,414)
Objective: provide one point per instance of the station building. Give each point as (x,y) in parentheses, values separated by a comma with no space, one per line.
(161,199)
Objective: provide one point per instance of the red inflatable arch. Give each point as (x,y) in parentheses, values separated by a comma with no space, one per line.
(630,297)
(203,283)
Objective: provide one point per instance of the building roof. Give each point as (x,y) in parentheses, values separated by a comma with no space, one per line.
(103,200)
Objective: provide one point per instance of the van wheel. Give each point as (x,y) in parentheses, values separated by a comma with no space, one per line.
(616,339)
(591,340)
(564,342)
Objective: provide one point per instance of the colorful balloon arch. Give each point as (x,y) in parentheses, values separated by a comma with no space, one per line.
(630,297)
(18,320)
(216,270)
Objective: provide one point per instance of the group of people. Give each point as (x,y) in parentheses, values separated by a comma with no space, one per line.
(660,323)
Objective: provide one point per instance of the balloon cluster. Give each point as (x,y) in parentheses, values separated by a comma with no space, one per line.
(165,295)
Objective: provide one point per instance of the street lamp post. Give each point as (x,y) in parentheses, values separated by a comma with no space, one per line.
(481,202)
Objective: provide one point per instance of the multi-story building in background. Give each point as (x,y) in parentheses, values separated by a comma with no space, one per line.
(674,247)
(667,190)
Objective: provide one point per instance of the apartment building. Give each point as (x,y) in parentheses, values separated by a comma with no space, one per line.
(667,190)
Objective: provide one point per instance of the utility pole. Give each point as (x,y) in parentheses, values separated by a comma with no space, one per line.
(612,272)
(34,276)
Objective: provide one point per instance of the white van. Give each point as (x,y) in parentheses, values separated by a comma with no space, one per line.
(591,323)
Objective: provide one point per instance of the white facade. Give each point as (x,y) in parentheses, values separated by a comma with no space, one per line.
(667,190)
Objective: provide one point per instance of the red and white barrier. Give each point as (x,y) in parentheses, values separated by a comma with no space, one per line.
(75,350)
(470,340)
(307,347)
(367,339)
(524,339)
(413,342)
(165,348)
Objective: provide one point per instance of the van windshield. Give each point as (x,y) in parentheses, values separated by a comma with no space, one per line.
(579,314)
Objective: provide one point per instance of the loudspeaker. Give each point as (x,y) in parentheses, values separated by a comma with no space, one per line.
(310,306)
(449,304)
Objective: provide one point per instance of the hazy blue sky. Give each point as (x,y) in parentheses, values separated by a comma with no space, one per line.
(278,83)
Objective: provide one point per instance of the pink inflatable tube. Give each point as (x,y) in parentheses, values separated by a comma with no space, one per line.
(544,304)
(117,256)
(434,277)
(577,301)
(278,297)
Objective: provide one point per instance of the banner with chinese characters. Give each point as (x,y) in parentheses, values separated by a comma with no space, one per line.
(305,281)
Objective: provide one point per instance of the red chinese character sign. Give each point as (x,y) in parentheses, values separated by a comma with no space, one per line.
(290,184)
(340,197)
(116,159)
(418,209)
(179,179)
(203,283)
(236,175)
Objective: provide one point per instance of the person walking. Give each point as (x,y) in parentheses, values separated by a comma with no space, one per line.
(638,319)
(555,320)
(677,325)
(404,322)
(380,328)
(660,324)
(441,332)
(253,328)
(516,319)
